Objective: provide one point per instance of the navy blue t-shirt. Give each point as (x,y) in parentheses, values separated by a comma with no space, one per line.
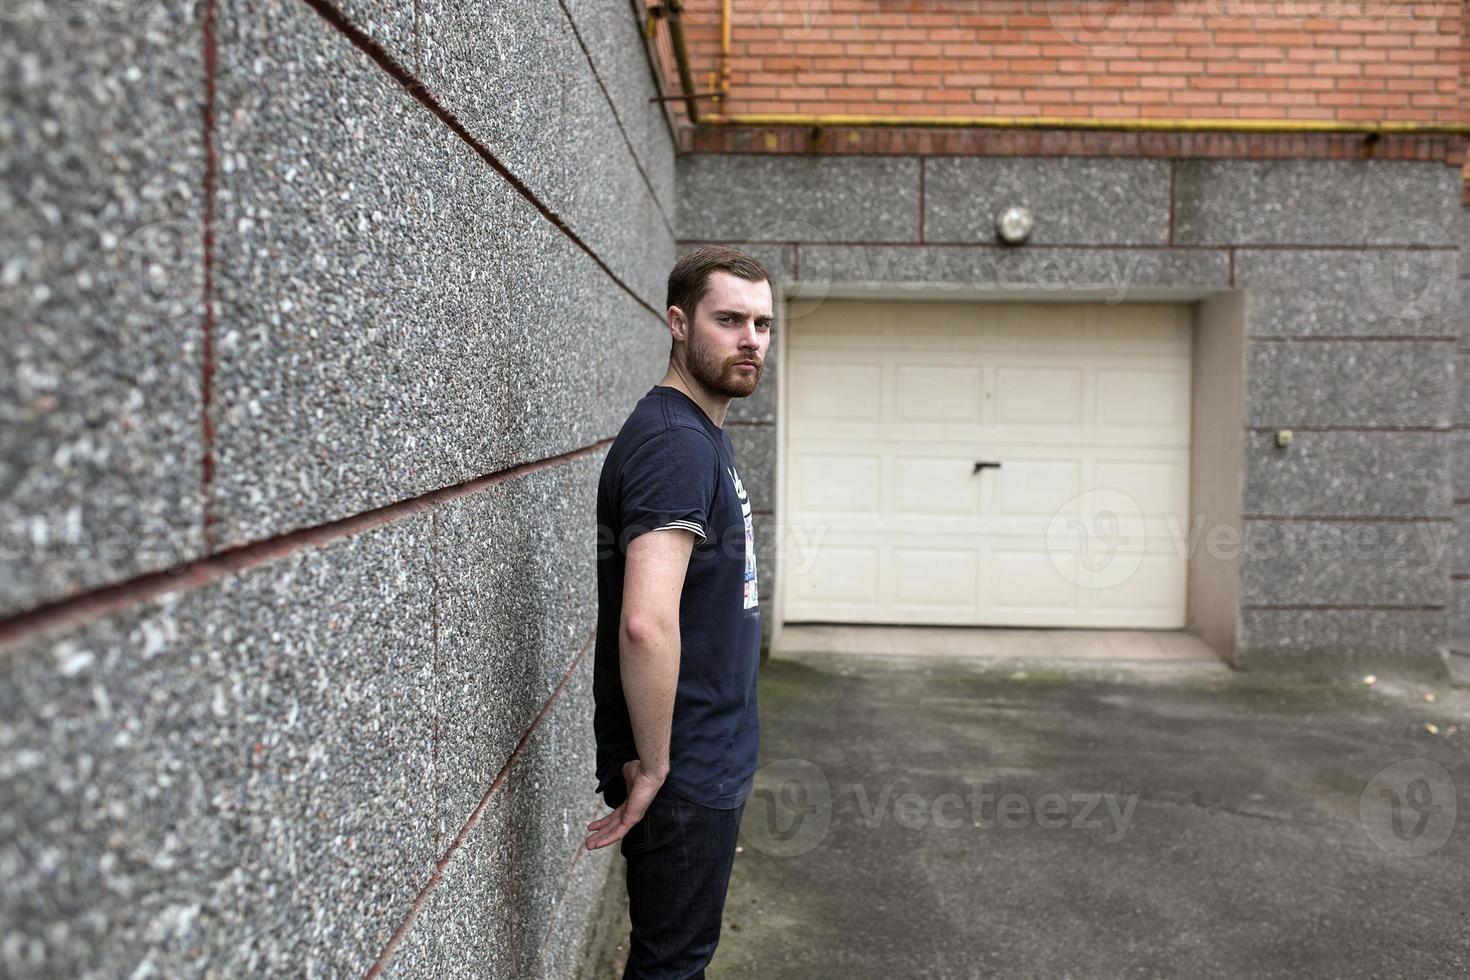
(670,466)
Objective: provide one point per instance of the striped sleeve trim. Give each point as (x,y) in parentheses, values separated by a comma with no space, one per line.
(685,525)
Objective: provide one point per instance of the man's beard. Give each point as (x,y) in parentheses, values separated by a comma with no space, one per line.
(722,377)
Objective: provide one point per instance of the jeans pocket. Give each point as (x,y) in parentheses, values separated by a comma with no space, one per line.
(640,838)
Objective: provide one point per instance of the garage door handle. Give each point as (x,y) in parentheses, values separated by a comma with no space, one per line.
(981,464)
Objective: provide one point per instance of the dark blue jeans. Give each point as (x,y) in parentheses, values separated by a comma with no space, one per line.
(679,859)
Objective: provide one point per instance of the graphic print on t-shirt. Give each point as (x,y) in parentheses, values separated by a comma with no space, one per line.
(751,591)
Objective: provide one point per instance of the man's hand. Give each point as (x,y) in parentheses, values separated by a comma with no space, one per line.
(643,786)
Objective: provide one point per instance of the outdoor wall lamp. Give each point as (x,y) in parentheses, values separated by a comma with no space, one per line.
(1283,438)
(1013,225)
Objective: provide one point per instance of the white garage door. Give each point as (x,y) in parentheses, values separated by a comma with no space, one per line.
(1080,414)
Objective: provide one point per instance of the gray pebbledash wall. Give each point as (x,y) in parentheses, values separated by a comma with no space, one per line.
(315,325)
(1355,319)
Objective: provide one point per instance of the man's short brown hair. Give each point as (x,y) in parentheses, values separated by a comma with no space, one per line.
(689,279)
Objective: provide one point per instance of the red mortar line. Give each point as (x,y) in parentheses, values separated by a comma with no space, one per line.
(592,66)
(443,862)
(210,56)
(420,92)
(1301,607)
(75,610)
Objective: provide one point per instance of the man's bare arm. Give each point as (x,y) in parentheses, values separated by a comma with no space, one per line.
(649,645)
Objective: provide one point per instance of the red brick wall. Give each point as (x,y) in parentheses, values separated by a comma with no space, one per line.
(1231,59)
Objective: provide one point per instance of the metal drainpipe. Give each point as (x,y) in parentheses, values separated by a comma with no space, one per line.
(673,11)
(725,17)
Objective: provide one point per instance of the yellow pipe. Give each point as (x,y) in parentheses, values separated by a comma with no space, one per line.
(1056,122)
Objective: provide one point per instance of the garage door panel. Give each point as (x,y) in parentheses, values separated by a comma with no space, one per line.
(928,485)
(837,484)
(1036,487)
(929,578)
(1155,487)
(1056,325)
(1025,580)
(1141,591)
(930,393)
(833,575)
(1032,395)
(1086,408)
(837,392)
(1150,398)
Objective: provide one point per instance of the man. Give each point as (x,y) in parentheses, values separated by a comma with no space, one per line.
(678,621)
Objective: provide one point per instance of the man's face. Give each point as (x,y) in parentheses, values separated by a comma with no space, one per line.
(730,333)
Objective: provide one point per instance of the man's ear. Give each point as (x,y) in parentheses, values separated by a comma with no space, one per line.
(678,323)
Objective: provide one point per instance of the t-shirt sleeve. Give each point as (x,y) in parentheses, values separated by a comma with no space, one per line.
(669,482)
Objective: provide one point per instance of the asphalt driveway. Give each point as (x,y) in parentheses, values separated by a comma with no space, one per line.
(955,818)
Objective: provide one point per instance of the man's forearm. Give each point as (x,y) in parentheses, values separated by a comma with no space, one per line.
(649,664)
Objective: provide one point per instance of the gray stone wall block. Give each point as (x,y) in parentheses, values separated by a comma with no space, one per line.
(465,928)
(1113,272)
(777,198)
(1072,200)
(1345,562)
(1374,291)
(1461,462)
(777,260)
(1462,388)
(1314,202)
(515,570)
(554,800)
(390,23)
(1342,640)
(522,85)
(236,778)
(1460,563)
(1460,614)
(1349,383)
(614,38)
(387,320)
(1461,309)
(755,458)
(101,296)
(1404,474)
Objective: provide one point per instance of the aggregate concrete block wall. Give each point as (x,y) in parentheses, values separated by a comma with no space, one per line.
(317,322)
(1354,307)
